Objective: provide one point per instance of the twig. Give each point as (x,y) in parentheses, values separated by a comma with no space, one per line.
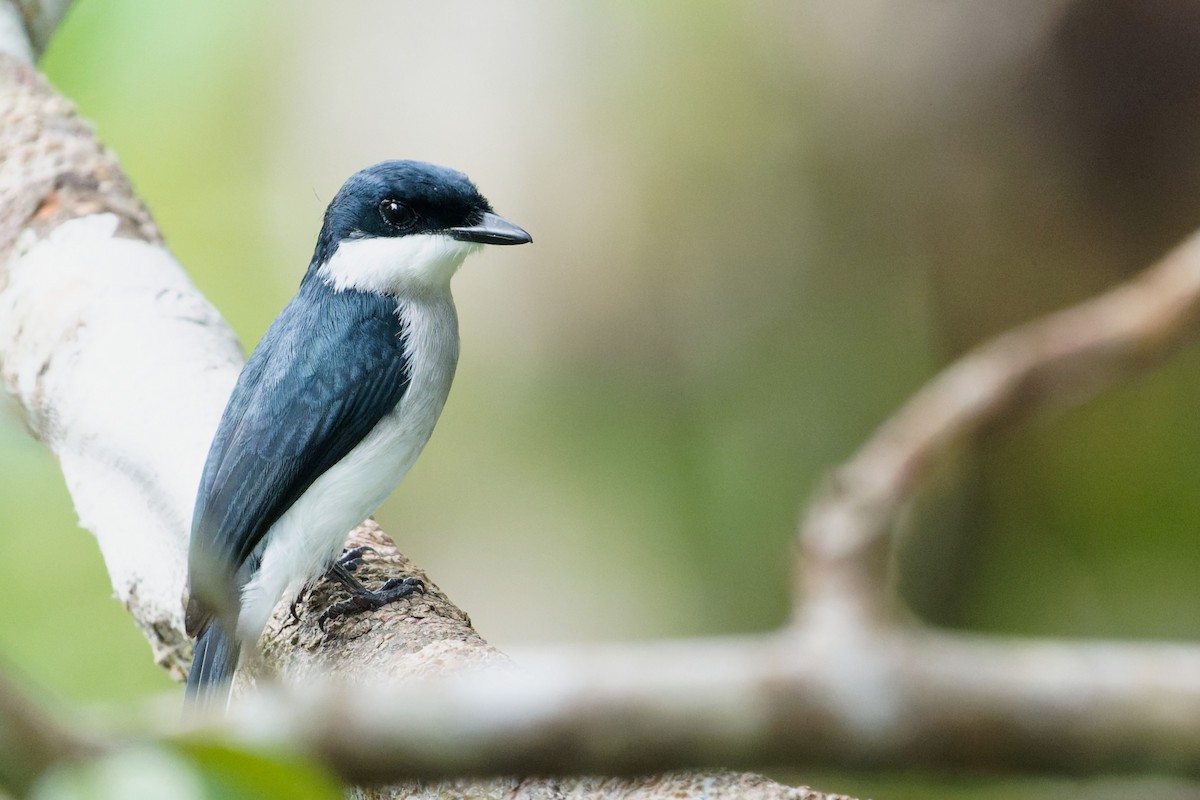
(899,699)
(31,741)
(1060,359)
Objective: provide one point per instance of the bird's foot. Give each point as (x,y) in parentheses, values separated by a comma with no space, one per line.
(350,560)
(361,598)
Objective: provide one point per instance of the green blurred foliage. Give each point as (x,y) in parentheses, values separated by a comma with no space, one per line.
(758,228)
(187,772)
(61,626)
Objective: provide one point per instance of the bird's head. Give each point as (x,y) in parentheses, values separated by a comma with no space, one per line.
(405,226)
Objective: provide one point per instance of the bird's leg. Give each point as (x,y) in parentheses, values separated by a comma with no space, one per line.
(361,598)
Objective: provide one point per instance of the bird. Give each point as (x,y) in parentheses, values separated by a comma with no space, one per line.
(332,408)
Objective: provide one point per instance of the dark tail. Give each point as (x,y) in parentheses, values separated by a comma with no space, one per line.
(213,663)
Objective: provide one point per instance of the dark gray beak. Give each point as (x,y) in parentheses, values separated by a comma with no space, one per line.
(492,230)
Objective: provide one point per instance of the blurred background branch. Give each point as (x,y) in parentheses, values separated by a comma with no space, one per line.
(900,699)
(32,741)
(1051,363)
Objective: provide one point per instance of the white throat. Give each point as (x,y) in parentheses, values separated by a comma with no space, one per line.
(396,264)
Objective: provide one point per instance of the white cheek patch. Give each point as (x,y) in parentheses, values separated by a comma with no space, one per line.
(390,265)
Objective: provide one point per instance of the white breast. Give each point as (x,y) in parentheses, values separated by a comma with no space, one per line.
(305,540)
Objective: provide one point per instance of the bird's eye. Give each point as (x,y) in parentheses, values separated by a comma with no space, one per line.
(397,214)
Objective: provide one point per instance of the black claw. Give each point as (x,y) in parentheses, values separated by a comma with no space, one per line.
(352,559)
(361,598)
(405,586)
(294,608)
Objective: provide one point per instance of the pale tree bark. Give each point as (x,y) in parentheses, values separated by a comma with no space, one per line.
(122,369)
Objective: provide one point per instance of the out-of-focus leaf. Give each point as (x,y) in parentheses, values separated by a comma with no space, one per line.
(232,773)
(189,772)
(136,773)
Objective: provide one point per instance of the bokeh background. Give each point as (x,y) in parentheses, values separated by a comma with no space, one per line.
(758,227)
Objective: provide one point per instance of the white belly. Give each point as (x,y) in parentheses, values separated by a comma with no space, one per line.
(302,544)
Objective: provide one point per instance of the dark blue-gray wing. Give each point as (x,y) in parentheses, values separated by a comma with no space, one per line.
(325,373)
